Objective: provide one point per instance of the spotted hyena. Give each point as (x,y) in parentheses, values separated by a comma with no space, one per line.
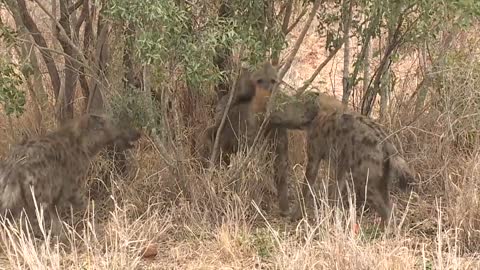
(245,117)
(246,112)
(54,165)
(354,145)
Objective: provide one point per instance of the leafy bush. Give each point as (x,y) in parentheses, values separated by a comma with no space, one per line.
(11,96)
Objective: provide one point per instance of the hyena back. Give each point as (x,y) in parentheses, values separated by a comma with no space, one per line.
(55,164)
(327,104)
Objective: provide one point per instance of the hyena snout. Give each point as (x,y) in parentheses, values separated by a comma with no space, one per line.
(295,113)
(126,138)
(311,111)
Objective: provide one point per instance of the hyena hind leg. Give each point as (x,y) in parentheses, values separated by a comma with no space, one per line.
(56,224)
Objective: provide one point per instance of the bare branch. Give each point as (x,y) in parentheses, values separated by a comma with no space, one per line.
(62,34)
(40,41)
(95,101)
(224,118)
(75,6)
(298,43)
(286,20)
(288,15)
(317,71)
(65,108)
(84,15)
(297,20)
(347,21)
(54,16)
(87,37)
(83,67)
(397,38)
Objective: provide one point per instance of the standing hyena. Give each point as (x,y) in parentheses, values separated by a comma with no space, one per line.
(54,165)
(244,119)
(354,144)
(245,114)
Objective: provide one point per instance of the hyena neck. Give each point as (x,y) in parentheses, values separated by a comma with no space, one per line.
(260,101)
(324,115)
(88,143)
(94,147)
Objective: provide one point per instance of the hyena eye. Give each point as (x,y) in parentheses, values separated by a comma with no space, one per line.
(260,81)
(273,81)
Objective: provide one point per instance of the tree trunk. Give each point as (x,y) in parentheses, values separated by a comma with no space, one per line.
(41,43)
(27,51)
(85,18)
(366,65)
(102,54)
(65,105)
(385,89)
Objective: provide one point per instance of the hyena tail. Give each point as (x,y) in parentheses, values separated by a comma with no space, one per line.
(387,174)
(206,145)
(10,195)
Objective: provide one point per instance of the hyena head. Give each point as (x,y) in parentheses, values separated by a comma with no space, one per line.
(263,80)
(265,77)
(96,132)
(294,112)
(328,104)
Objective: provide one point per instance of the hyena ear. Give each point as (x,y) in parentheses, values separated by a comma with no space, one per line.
(89,122)
(82,122)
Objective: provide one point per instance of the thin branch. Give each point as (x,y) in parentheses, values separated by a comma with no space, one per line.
(286,21)
(317,71)
(54,14)
(394,43)
(50,50)
(298,43)
(87,32)
(297,20)
(224,118)
(282,73)
(82,17)
(65,108)
(75,6)
(288,15)
(41,42)
(347,21)
(282,8)
(63,37)
(95,101)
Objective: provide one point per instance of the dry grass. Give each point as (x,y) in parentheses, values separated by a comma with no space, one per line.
(221,227)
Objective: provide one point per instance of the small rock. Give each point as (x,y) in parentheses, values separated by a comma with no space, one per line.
(150,251)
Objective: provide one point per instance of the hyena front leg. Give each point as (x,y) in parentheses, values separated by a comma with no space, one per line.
(78,201)
(280,164)
(206,146)
(311,172)
(56,224)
